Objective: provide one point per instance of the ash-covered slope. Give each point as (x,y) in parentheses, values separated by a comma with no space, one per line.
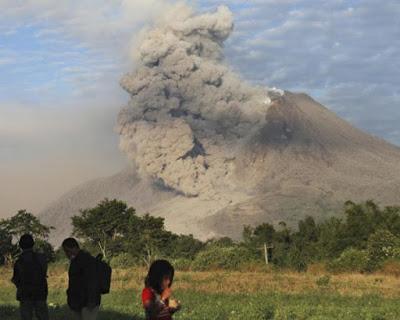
(304,161)
(213,153)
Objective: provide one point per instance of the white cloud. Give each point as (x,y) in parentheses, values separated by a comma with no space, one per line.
(107,24)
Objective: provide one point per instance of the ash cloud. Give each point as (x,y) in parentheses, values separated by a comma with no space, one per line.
(189,114)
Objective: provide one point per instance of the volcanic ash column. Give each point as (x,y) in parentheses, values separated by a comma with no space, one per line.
(189,114)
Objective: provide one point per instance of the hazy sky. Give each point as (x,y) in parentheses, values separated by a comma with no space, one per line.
(60,63)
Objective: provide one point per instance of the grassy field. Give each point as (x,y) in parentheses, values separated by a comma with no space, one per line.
(236,295)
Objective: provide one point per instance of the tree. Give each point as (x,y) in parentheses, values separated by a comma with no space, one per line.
(25,222)
(104,225)
(146,238)
(381,245)
(330,244)
(6,247)
(14,227)
(185,246)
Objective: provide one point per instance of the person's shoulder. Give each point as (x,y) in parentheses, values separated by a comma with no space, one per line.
(147,294)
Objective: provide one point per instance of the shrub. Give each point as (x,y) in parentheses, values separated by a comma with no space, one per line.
(229,258)
(182,264)
(382,245)
(296,260)
(350,260)
(123,260)
(267,312)
(323,282)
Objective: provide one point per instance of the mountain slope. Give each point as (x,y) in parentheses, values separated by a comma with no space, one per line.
(304,160)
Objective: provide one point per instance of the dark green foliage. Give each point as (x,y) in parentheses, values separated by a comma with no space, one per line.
(123,260)
(218,257)
(382,245)
(185,246)
(351,260)
(25,222)
(6,246)
(115,230)
(360,241)
(13,228)
(323,282)
(104,225)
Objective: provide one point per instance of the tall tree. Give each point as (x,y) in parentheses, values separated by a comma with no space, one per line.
(14,227)
(6,247)
(25,222)
(104,225)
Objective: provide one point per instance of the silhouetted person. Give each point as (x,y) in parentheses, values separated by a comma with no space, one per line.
(83,288)
(30,278)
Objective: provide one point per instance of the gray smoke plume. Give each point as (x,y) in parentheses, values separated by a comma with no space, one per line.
(189,114)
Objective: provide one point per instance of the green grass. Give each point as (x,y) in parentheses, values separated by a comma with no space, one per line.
(125,304)
(223,295)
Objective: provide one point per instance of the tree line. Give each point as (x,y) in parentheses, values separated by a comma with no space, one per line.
(361,239)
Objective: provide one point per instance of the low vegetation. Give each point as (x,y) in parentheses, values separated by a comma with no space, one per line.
(223,295)
(346,267)
(363,239)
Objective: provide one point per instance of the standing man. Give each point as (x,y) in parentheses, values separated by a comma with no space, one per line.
(83,286)
(30,278)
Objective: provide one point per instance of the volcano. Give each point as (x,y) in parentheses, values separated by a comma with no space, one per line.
(304,161)
(211,153)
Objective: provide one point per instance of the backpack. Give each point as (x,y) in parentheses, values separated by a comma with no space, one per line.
(104,273)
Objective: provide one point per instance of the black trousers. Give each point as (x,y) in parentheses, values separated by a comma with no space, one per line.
(27,308)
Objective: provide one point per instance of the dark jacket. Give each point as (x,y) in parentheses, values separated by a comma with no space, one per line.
(30,276)
(83,286)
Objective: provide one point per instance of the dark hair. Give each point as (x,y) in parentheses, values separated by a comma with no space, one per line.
(158,270)
(26,241)
(70,243)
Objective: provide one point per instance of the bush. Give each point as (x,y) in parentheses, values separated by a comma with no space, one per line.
(323,282)
(182,264)
(382,245)
(123,260)
(351,260)
(296,260)
(229,258)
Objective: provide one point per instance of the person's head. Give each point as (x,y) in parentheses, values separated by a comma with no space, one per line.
(70,247)
(26,242)
(160,275)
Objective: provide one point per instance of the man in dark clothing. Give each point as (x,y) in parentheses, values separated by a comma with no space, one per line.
(83,288)
(30,278)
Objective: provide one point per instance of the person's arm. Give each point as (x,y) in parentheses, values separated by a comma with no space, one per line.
(44,266)
(16,279)
(43,263)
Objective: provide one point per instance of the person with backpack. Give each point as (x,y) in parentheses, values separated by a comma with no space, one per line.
(30,278)
(84,291)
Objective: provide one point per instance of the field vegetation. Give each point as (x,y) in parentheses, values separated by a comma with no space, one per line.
(262,294)
(346,267)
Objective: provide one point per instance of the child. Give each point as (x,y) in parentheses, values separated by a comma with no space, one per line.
(156,296)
